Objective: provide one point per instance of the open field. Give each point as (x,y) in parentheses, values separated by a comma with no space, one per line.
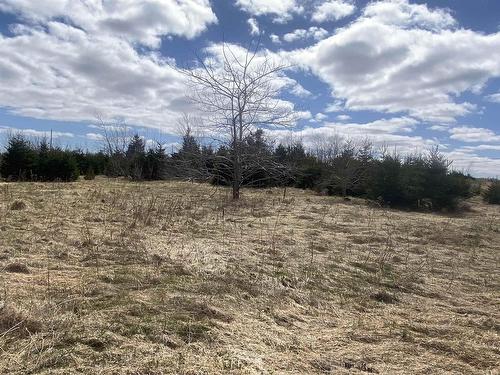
(113,277)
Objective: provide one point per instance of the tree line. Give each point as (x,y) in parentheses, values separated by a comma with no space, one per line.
(334,167)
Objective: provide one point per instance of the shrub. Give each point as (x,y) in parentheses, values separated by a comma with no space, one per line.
(56,165)
(17,268)
(89,175)
(135,156)
(19,160)
(492,193)
(18,205)
(308,176)
(88,160)
(25,161)
(11,317)
(386,181)
(418,181)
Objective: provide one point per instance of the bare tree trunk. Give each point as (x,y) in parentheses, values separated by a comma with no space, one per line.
(236,187)
(236,171)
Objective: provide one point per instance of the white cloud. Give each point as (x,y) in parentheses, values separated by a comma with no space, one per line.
(63,73)
(400,57)
(299,91)
(320,116)
(479,166)
(402,13)
(35,133)
(469,134)
(275,38)
(282,10)
(333,10)
(94,137)
(254,26)
(439,128)
(494,98)
(317,33)
(142,21)
(343,117)
(336,106)
(481,148)
(304,115)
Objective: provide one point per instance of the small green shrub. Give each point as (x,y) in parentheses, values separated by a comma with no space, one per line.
(89,175)
(492,193)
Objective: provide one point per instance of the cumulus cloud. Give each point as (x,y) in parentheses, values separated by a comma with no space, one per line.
(275,38)
(254,26)
(404,14)
(401,57)
(336,106)
(439,128)
(75,59)
(316,33)
(299,91)
(141,21)
(320,116)
(281,10)
(63,73)
(333,10)
(470,134)
(494,98)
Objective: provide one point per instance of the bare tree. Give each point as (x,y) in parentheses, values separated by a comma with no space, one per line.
(326,148)
(115,138)
(238,92)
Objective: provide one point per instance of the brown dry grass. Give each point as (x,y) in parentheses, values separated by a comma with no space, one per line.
(174,278)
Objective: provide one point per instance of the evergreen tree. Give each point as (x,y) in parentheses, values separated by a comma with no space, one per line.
(20,159)
(135,156)
(492,193)
(155,163)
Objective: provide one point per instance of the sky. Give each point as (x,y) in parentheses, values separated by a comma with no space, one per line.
(407,74)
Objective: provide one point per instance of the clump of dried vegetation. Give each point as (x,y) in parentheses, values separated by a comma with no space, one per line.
(159,278)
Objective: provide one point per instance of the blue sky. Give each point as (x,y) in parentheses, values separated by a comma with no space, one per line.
(407,74)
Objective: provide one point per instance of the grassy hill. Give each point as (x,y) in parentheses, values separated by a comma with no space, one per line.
(114,277)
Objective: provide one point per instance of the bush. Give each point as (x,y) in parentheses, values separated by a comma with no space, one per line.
(97,162)
(386,181)
(25,161)
(89,175)
(56,165)
(492,193)
(18,205)
(19,160)
(418,181)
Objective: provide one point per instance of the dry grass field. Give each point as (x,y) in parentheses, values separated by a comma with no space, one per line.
(114,277)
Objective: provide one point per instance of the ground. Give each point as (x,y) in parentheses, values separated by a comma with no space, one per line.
(115,277)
